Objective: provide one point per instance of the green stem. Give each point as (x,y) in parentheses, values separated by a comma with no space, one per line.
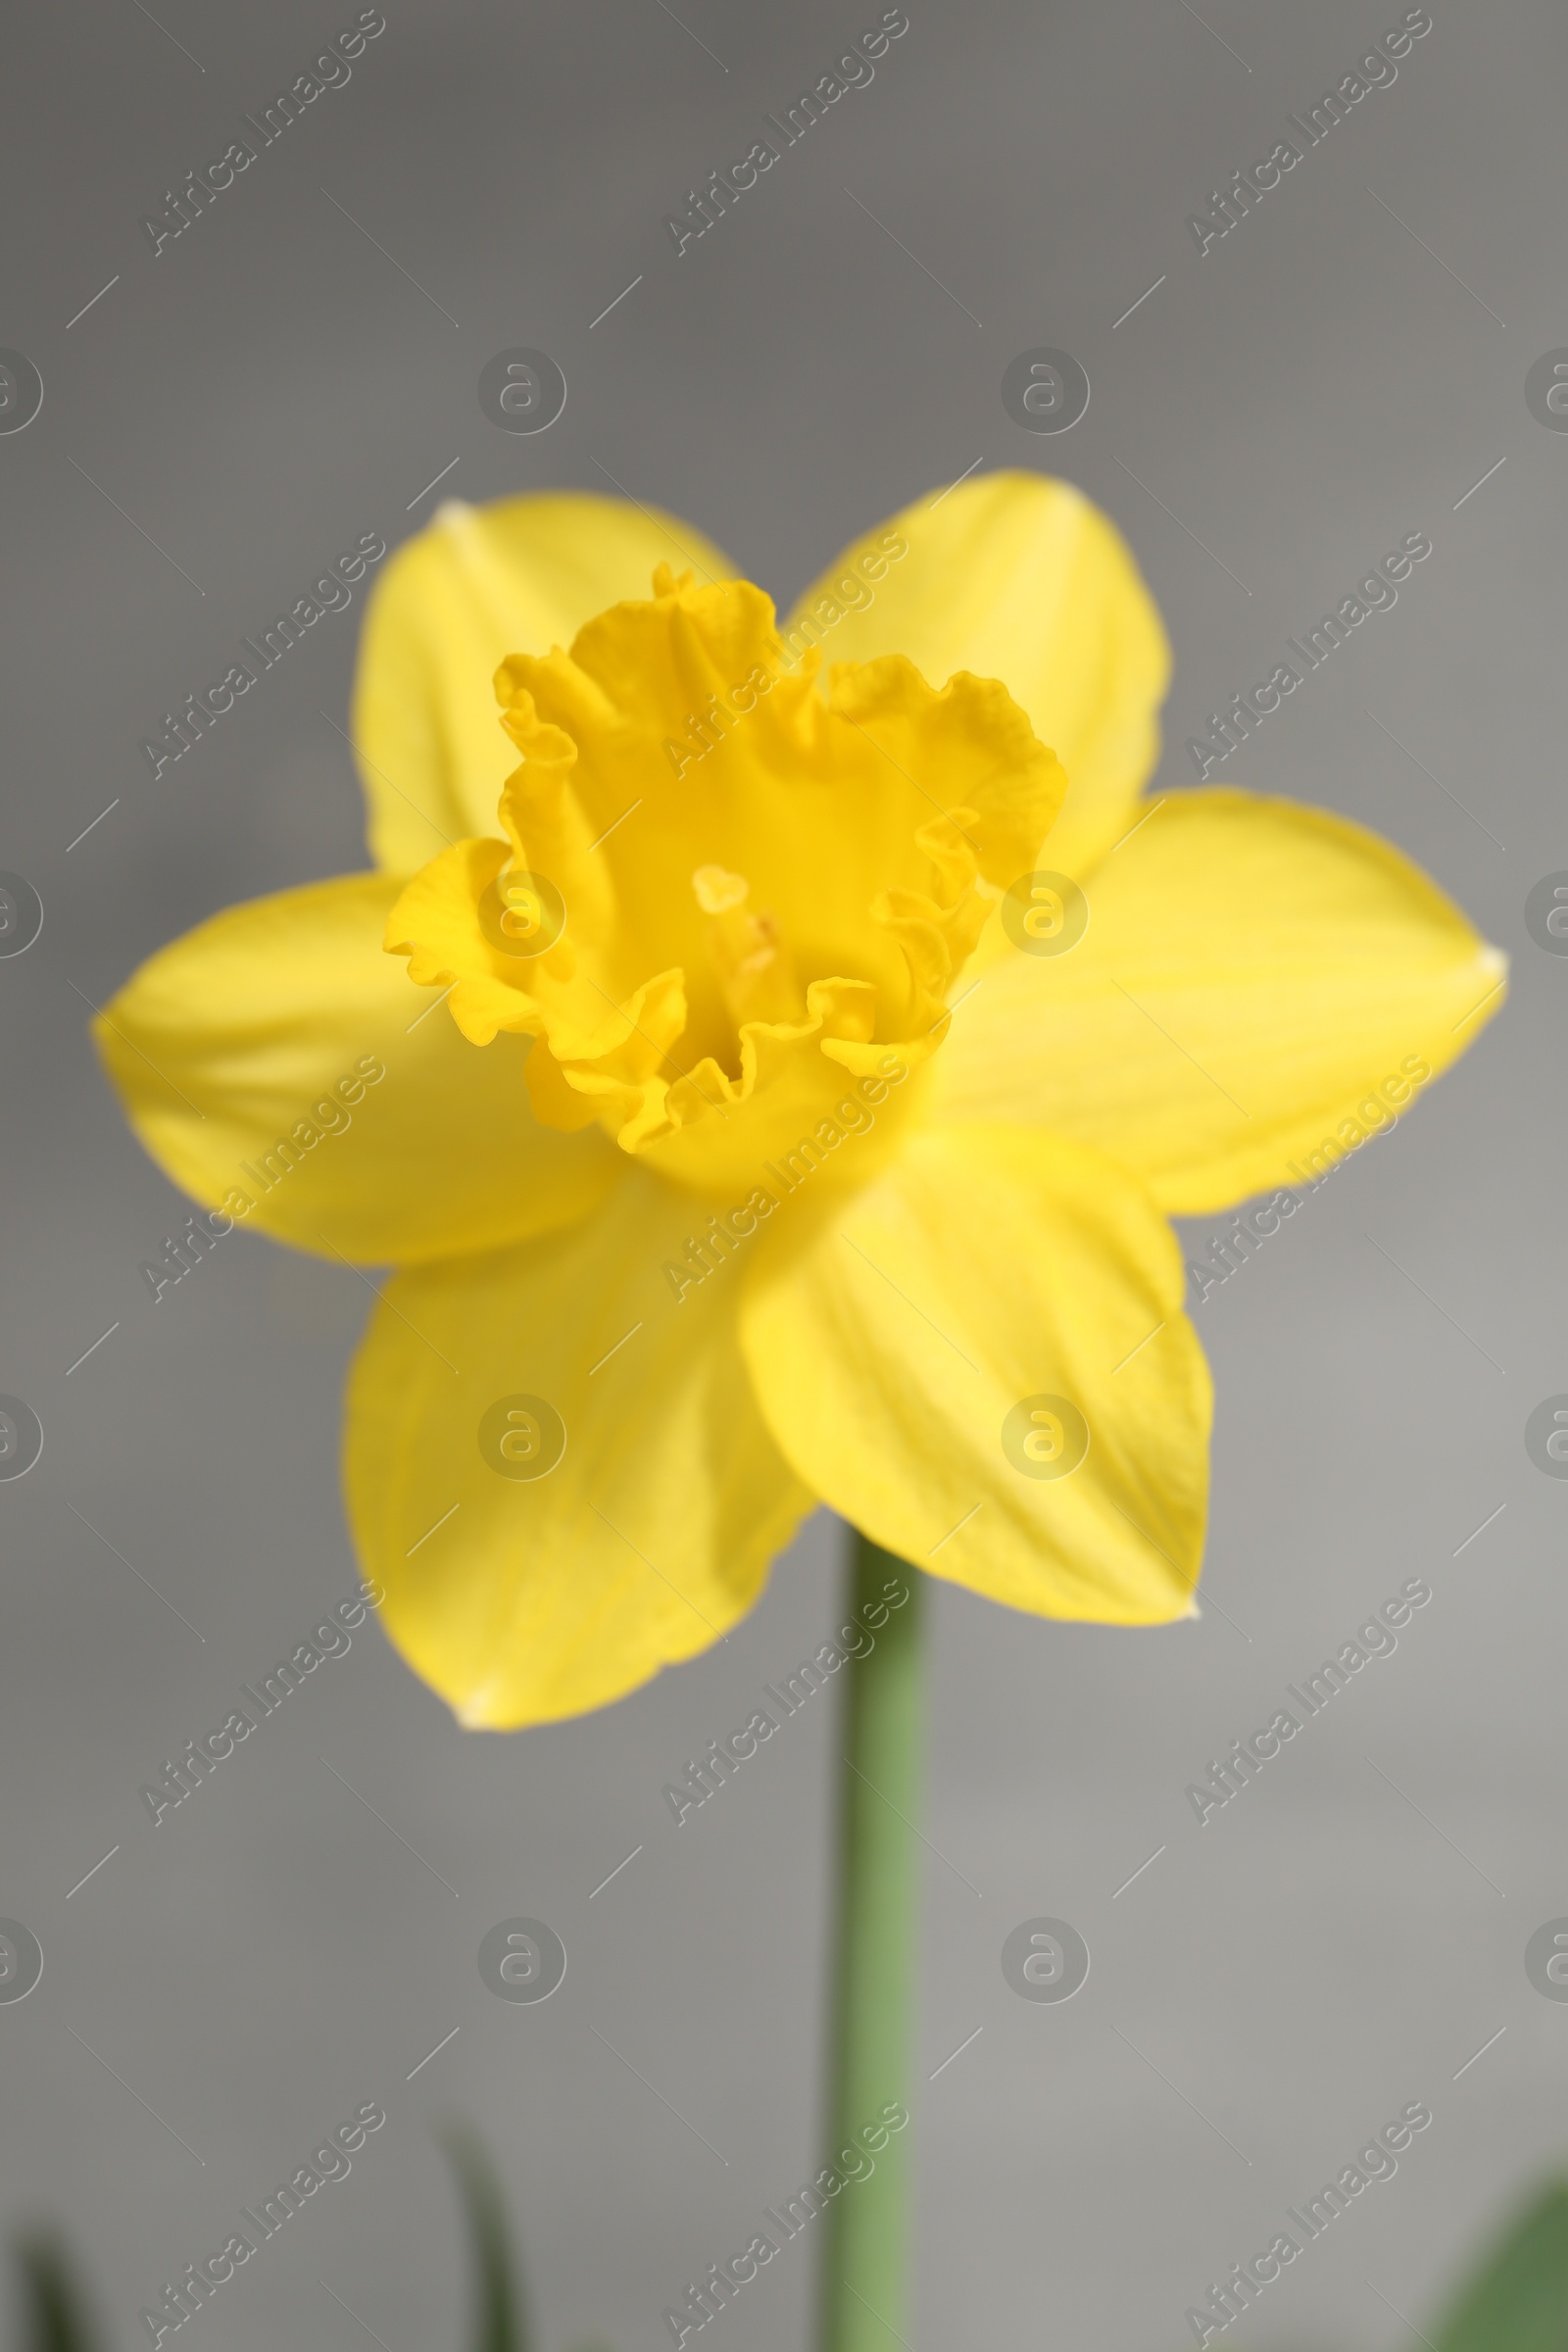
(865,2253)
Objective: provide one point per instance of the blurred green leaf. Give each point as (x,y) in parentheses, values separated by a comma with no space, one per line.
(499,2321)
(1518,2300)
(54,2316)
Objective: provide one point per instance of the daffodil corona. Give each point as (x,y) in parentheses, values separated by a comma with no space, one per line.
(801,1061)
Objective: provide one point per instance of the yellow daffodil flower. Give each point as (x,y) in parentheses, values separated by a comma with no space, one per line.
(794,1127)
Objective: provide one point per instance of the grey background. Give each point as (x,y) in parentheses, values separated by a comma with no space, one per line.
(1321,1953)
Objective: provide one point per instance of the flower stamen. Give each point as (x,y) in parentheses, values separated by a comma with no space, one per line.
(755,970)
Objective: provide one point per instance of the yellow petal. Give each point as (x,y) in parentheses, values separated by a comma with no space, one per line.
(1260,987)
(930,1356)
(869,832)
(1017,578)
(480,583)
(523,1597)
(276,1055)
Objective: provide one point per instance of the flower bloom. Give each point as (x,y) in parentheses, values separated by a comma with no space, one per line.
(779,1121)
